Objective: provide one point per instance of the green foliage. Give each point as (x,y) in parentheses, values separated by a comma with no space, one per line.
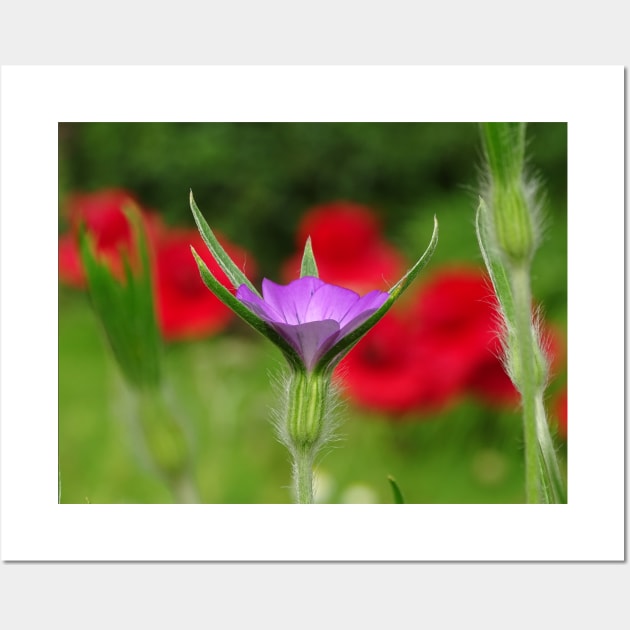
(396,491)
(507,240)
(263,176)
(256,180)
(468,454)
(125,309)
(234,274)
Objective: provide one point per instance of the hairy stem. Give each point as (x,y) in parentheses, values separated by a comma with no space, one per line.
(303,476)
(527,379)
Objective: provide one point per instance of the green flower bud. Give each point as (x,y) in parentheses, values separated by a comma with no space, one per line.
(513,215)
(513,225)
(308,405)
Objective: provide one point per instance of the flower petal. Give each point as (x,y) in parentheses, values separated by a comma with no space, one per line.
(259,306)
(331,302)
(365,305)
(291,300)
(311,339)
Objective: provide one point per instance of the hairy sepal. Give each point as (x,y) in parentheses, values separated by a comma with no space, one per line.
(340,349)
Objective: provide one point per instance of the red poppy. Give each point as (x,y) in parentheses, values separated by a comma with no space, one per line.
(186,308)
(561,409)
(456,312)
(102,214)
(70,266)
(393,371)
(347,244)
(490,383)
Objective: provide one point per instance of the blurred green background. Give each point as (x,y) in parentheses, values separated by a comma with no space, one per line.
(253,182)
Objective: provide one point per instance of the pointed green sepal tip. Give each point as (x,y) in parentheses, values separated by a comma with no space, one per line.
(341,348)
(309,266)
(496,269)
(234,304)
(229,267)
(398,495)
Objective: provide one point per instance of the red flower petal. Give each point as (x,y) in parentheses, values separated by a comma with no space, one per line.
(343,229)
(70,267)
(561,413)
(392,371)
(102,214)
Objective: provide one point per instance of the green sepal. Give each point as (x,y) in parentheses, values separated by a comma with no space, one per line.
(309,266)
(229,267)
(398,495)
(233,303)
(340,349)
(496,269)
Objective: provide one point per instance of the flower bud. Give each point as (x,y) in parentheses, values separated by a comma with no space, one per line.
(513,224)
(308,404)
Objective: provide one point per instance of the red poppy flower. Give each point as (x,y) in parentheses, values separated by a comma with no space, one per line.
(347,245)
(490,383)
(102,214)
(393,371)
(186,308)
(456,312)
(70,267)
(561,408)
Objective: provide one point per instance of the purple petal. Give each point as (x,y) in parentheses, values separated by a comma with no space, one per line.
(365,305)
(291,300)
(311,314)
(331,302)
(257,304)
(311,339)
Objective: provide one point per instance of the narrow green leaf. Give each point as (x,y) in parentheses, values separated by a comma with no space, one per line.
(309,266)
(398,496)
(234,274)
(125,308)
(340,349)
(244,313)
(552,481)
(140,291)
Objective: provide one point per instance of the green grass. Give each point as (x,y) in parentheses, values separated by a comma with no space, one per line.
(468,455)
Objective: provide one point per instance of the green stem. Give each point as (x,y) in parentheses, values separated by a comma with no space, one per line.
(303,476)
(553,484)
(185,491)
(527,379)
(307,426)
(166,442)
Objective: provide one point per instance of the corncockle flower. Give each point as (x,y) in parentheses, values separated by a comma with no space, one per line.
(314,324)
(311,314)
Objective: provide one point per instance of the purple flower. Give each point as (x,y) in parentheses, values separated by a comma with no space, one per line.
(311,315)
